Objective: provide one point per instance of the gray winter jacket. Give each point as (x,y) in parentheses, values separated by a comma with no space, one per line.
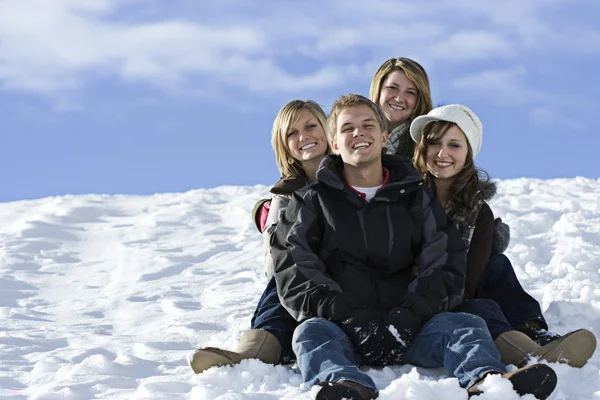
(282,192)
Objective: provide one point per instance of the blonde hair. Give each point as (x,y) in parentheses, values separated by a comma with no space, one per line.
(284,121)
(464,191)
(417,75)
(352,100)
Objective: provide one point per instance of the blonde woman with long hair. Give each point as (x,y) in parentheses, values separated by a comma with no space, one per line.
(401,89)
(299,141)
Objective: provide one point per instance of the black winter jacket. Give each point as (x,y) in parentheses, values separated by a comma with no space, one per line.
(330,240)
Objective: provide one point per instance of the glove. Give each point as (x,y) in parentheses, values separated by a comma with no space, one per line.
(370,338)
(403,324)
(501,237)
(336,307)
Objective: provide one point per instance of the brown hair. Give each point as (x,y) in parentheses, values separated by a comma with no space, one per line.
(352,100)
(417,75)
(464,191)
(284,121)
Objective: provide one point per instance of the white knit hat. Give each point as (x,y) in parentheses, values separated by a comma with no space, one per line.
(461,115)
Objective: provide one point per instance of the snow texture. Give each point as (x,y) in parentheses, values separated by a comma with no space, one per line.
(105,296)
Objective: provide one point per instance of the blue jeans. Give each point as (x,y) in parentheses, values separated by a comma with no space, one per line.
(489,311)
(457,341)
(500,283)
(272,317)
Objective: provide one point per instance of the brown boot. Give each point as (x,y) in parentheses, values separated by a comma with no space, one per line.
(345,390)
(255,343)
(574,348)
(539,380)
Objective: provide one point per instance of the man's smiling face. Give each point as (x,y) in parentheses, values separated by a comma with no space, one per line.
(359,139)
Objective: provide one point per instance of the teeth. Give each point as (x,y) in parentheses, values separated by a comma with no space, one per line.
(397,107)
(360,145)
(308,146)
(443,164)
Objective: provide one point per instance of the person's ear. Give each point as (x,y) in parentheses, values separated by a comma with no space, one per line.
(334,146)
(384,139)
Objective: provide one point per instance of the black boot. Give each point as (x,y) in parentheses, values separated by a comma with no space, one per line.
(538,379)
(536,330)
(345,390)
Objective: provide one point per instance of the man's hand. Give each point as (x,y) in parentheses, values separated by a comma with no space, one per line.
(403,324)
(371,338)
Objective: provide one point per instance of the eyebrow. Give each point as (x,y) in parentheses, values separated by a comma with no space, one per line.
(396,85)
(369,119)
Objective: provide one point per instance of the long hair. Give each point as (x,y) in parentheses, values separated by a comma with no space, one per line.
(286,118)
(417,75)
(465,188)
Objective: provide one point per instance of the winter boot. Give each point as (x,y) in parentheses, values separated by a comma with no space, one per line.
(574,348)
(255,343)
(537,331)
(538,380)
(345,390)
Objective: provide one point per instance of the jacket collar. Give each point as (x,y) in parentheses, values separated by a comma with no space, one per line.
(288,185)
(401,172)
(386,179)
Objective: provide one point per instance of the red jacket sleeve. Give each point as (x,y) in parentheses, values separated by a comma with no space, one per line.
(480,249)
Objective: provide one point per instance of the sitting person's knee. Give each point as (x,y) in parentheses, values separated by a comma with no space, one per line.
(479,305)
(312,327)
(466,320)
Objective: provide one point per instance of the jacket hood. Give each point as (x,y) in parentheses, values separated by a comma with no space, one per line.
(402,171)
(288,185)
(487,190)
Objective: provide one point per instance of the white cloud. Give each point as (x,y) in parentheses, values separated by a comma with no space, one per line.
(550,116)
(508,87)
(52,50)
(466,46)
(505,86)
(58,46)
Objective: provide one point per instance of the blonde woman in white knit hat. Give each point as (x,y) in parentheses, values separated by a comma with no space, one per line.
(447,140)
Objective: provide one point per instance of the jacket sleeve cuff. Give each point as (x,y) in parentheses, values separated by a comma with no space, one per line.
(336,306)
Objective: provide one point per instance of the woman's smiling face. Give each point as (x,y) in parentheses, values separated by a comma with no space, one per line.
(447,156)
(306,138)
(398,97)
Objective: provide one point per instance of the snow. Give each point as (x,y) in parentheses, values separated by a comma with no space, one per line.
(105,296)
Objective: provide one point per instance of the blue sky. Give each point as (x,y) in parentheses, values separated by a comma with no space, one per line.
(147,96)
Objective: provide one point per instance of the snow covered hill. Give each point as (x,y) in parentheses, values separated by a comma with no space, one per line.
(104,296)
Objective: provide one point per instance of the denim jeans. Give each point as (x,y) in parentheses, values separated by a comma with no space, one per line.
(457,341)
(325,354)
(500,283)
(272,317)
(490,312)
